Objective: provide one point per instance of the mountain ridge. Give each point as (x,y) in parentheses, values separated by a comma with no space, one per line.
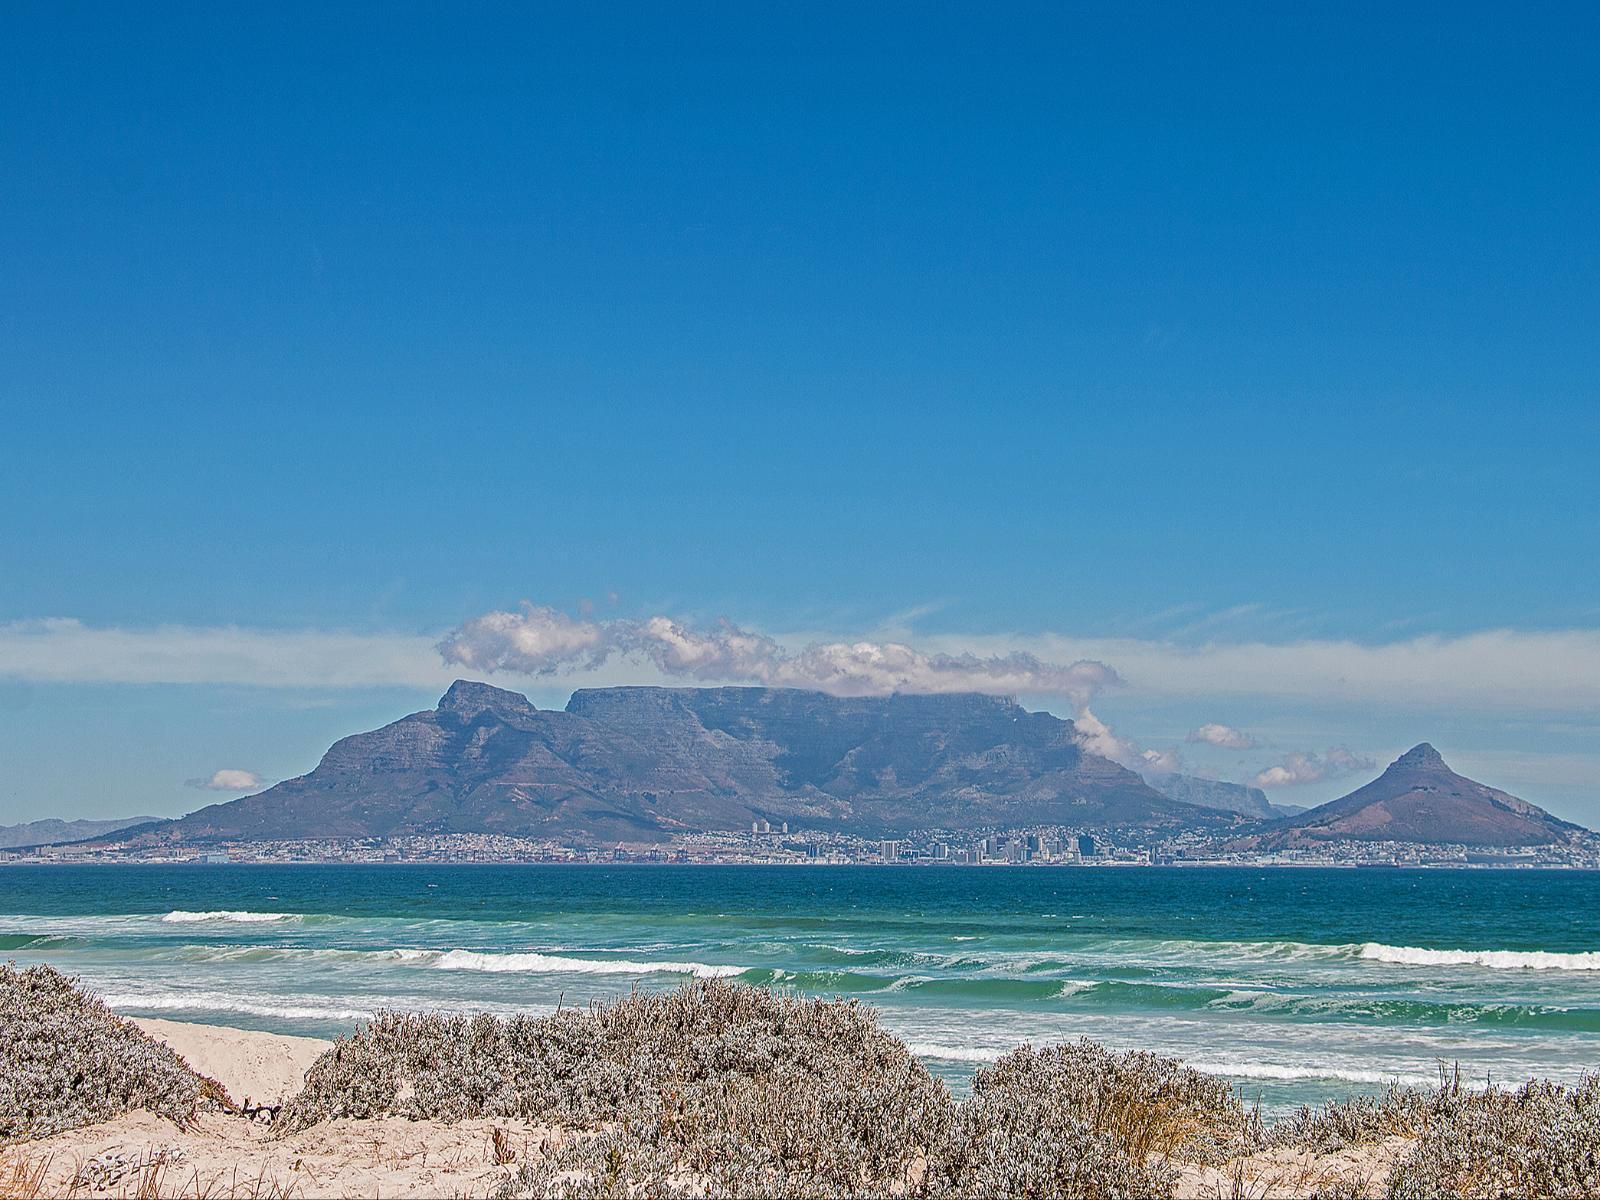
(52,831)
(1419,798)
(642,763)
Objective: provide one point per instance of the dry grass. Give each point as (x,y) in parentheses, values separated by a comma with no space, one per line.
(159,1175)
(67,1060)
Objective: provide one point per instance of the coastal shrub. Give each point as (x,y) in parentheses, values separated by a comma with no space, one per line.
(1147,1104)
(1397,1112)
(1543,1139)
(1022,1142)
(756,1092)
(67,1060)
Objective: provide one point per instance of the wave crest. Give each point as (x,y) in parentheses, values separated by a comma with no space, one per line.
(533,963)
(1499,960)
(180,916)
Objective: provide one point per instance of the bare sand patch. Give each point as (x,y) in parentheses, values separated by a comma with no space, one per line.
(261,1068)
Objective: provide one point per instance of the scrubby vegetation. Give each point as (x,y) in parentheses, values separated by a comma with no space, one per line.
(748,1092)
(732,1084)
(1540,1140)
(1396,1112)
(67,1060)
(724,1090)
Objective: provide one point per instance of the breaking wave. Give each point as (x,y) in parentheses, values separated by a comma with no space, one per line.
(963,1054)
(1260,1070)
(1499,960)
(198,1001)
(179,916)
(473,960)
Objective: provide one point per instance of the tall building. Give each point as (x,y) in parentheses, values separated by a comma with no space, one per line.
(1085,846)
(889,851)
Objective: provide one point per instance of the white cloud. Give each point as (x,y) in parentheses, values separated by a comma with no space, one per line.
(1226,736)
(1095,736)
(1497,670)
(229,779)
(1302,768)
(540,641)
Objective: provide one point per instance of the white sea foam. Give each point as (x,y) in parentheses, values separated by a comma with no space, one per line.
(901,983)
(967,1054)
(1071,987)
(180,917)
(547,964)
(1260,1070)
(226,1002)
(1499,960)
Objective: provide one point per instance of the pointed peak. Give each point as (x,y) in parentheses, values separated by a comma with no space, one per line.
(1421,755)
(467,698)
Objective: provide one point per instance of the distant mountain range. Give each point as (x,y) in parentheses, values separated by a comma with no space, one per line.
(1248,802)
(640,763)
(1419,799)
(48,832)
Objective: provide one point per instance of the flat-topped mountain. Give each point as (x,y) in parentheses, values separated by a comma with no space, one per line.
(640,763)
(1420,799)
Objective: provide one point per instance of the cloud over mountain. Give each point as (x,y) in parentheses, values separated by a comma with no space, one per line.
(542,641)
(229,779)
(1299,768)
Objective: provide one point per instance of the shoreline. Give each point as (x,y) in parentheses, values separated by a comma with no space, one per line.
(433,1133)
(222,1155)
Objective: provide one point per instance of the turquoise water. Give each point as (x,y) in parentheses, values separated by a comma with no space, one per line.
(1299,985)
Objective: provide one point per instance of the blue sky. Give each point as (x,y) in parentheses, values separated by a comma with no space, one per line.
(1251,352)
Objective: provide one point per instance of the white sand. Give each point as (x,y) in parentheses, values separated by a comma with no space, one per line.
(259,1068)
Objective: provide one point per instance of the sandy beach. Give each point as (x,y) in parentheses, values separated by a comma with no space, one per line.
(224,1155)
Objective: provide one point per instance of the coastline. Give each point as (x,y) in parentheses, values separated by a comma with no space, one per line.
(223,1155)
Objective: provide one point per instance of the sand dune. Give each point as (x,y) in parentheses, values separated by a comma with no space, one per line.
(255,1067)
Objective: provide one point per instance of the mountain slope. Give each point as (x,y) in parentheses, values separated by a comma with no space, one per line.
(1216,793)
(1420,799)
(50,831)
(636,764)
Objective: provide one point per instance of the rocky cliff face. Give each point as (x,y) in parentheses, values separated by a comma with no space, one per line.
(1420,799)
(637,764)
(1216,793)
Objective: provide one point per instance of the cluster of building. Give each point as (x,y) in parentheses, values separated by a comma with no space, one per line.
(768,844)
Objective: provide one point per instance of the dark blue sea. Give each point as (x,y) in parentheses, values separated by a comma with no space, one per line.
(1299,985)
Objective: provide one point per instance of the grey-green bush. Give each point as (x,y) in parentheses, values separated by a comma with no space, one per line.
(67,1060)
(758,1092)
(1541,1140)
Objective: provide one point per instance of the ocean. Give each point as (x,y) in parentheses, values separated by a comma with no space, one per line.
(1299,985)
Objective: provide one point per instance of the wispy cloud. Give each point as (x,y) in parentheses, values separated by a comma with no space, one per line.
(1494,670)
(1226,736)
(1302,768)
(63,650)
